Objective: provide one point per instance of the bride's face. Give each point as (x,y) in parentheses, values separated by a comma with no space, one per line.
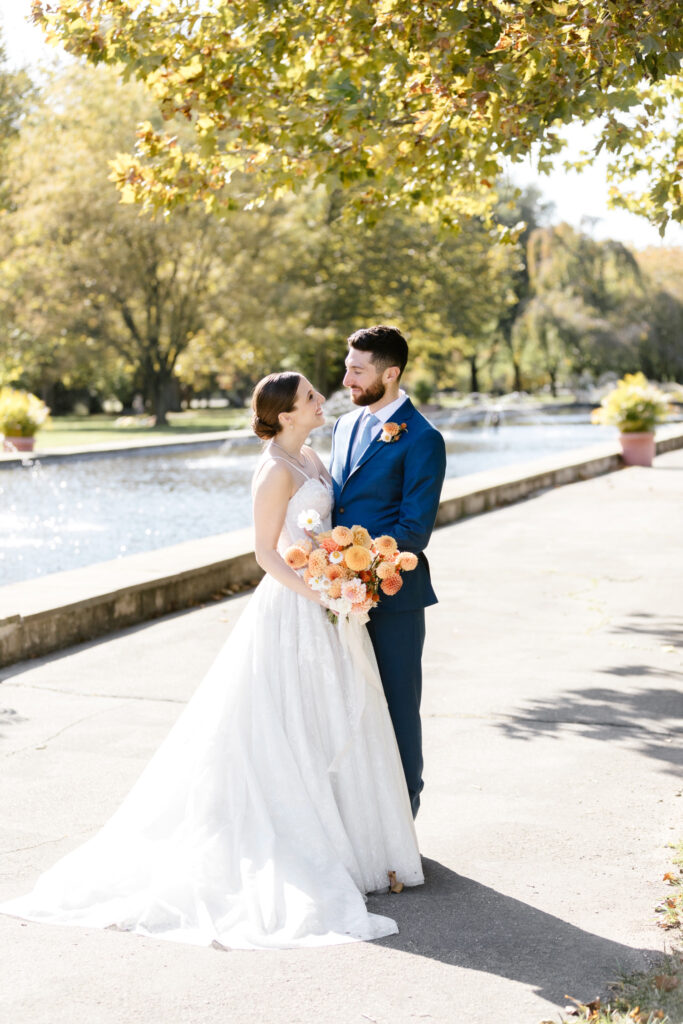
(307,412)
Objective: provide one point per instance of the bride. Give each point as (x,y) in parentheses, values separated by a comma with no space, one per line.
(278,798)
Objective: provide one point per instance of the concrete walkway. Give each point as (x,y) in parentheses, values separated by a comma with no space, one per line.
(552,719)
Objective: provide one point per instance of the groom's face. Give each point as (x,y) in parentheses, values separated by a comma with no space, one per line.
(362,379)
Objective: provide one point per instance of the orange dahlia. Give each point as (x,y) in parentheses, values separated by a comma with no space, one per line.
(361,537)
(317,561)
(407,561)
(328,544)
(335,589)
(295,557)
(342,536)
(385,545)
(357,558)
(385,569)
(391,429)
(333,572)
(391,585)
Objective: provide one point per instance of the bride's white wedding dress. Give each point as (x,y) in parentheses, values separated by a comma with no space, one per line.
(275,802)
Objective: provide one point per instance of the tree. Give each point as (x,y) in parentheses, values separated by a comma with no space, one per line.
(97,292)
(15,88)
(515,206)
(402,103)
(661,352)
(588,304)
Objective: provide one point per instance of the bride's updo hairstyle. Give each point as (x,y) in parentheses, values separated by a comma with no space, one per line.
(274,394)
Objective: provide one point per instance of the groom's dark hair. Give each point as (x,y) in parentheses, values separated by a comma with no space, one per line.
(387,345)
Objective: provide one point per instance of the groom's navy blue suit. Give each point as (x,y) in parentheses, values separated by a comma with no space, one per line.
(394,489)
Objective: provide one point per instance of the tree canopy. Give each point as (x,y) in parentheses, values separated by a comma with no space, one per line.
(399,103)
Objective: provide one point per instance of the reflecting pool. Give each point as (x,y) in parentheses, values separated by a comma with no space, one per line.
(62,515)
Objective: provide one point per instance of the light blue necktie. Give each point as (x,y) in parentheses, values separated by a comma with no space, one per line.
(364,439)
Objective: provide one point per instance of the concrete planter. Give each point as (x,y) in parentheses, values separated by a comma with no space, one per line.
(638,449)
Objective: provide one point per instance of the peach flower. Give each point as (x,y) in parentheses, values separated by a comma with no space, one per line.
(354,591)
(362,607)
(391,585)
(335,590)
(328,544)
(385,569)
(407,561)
(342,536)
(295,557)
(357,558)
(361,537)
(317,561)
(391,429)
(333,572)
(385,545)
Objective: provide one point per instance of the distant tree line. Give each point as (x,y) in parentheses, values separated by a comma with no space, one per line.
(99,300)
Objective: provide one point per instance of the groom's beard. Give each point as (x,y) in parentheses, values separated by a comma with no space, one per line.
(370,395)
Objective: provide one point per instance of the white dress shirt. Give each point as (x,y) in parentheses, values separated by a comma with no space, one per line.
(382,416)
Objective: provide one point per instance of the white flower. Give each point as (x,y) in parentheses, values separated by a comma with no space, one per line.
(319,583)
(309,520)
(336,557)
(340,606)
(386,436)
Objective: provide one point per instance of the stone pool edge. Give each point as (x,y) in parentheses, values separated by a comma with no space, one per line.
(38,617)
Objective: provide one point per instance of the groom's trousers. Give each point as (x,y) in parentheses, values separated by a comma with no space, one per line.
(398,639)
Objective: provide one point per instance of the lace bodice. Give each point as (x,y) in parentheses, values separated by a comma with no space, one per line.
(313,494)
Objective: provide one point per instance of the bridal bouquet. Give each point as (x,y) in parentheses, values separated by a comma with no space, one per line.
(347,567)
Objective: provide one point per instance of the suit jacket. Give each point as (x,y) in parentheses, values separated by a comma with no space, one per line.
(395,489)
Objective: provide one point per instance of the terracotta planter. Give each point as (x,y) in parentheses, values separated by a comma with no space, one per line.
(18,444)
(638,449)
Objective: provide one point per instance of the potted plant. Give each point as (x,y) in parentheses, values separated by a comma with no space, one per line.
(634,406)
(21,416)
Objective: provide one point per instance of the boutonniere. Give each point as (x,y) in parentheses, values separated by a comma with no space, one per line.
(392,431)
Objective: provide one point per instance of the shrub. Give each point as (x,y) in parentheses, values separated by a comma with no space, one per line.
(21,413)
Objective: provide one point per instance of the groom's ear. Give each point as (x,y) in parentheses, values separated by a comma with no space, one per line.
(391,374)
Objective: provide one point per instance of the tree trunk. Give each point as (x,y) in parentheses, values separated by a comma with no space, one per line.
(518,375)
(162,404)
(474,376)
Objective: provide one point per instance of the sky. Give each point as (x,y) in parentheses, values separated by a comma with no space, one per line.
(579,198)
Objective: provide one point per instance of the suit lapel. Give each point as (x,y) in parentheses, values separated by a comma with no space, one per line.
(403,415)
(349,447)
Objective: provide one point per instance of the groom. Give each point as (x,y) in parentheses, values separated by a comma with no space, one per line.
(393,487)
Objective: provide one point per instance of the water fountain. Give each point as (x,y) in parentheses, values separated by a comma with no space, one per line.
(70,513)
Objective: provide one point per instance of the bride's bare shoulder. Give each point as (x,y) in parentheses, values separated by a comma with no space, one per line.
(271,477)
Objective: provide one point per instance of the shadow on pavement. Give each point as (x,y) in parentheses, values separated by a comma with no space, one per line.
(667,631)
(649,719)
(466,924)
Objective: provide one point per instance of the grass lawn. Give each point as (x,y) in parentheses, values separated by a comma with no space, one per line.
(78,431)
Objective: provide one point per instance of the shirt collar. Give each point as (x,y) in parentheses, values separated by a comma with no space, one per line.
(384,414)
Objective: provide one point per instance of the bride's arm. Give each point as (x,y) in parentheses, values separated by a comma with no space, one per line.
(272,492)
